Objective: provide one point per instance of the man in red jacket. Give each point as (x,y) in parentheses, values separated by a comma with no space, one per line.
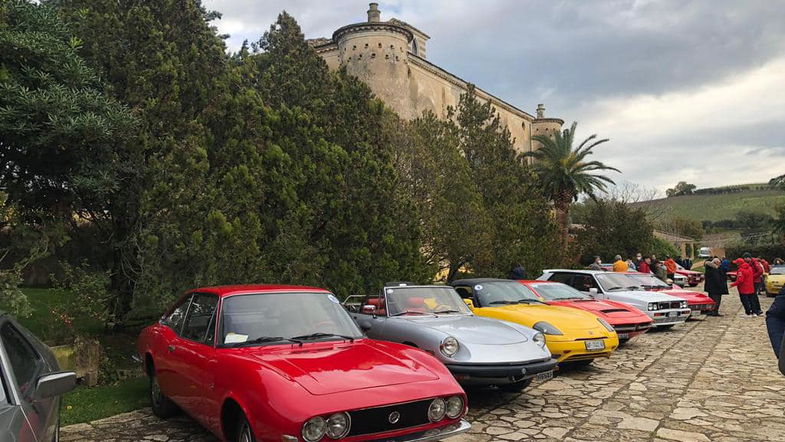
(745,282)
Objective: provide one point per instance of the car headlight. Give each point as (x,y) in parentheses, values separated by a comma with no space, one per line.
(338,425)
(449,346)
(606,325)
(547,328)
(437,410)
(683,304)
(539,338)
(314,429)
(454,407)
(652,306)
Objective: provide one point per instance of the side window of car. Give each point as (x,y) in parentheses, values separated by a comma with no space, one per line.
(25,362)
(584,282)
(176,318)
(564,278)
(200,323)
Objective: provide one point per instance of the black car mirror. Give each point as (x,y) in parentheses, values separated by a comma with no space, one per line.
(55,384)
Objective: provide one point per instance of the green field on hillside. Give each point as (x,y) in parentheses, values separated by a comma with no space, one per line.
(717,207)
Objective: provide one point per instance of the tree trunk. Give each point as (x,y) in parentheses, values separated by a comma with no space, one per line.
(562,208)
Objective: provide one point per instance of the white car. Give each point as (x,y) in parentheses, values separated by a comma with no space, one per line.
(665,310)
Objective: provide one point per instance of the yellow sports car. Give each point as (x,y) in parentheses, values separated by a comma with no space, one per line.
(571,335)
(775,280)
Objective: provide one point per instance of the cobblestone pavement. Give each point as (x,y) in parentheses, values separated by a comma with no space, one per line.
(708,380)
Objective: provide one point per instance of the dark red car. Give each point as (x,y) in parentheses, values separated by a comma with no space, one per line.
(693,278)
(627,320)
(287,363)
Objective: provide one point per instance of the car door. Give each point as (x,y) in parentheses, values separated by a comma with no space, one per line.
(195,352)
(26,366)
(168,367)
(372,320)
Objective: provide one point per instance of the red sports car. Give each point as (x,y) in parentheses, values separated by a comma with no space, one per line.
(693,278)
(287,363)
(699,303)
(627,320)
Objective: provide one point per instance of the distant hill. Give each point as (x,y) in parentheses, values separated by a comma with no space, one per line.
(719,203)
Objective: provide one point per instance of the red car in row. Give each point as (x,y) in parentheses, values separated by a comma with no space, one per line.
(288,363)
(626,320)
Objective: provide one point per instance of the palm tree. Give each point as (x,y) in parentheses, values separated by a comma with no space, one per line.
(565,173)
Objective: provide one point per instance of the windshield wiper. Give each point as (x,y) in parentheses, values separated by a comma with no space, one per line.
(529,301)
(406,312)
(505,302)
(618,287)
(320,335)
(441,312)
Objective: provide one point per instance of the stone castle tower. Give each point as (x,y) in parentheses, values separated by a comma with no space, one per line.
(390,57)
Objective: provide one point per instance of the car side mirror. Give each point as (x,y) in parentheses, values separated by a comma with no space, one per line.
(54,384)
(470,303)
(593,291)
(369,309)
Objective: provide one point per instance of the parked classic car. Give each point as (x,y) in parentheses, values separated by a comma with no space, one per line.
(288,363)
(774,280)
(699,303)
(693,278)
(572,335)
(665,310)
(627,320)
(477,351)
(32,384)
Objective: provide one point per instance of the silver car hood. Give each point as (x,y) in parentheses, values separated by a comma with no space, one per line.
(638,296)
(471,329)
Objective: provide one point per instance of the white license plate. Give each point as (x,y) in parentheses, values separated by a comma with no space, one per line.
(697,312)
(624,335)
(544,376)
(595,345)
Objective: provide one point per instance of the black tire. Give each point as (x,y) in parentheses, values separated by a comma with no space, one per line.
(516,387)
(242,430)
(162,406)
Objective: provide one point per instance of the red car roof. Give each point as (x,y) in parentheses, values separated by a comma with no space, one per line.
(225,290)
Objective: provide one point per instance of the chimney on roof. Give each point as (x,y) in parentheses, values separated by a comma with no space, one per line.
(540,110)
(373,12)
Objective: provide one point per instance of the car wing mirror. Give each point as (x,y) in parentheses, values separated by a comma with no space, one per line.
(369,309)
(470,303)
(593,291)
(54,384)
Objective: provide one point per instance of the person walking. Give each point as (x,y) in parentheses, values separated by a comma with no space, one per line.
(670,267)
(715,284)
(757,271)
(745,282)
(661,272)
(597,264)
(619,265)
(638,259)
(687,263)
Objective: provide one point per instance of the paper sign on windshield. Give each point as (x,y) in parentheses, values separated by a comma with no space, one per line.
(235,338)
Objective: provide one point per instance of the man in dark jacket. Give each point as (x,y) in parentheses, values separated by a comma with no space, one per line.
(517,273)
(775,325)
(715,284)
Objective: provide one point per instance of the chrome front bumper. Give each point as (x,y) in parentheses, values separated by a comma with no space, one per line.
(434,433)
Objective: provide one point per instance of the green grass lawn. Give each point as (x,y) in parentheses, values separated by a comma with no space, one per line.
(86,404)
(718,207)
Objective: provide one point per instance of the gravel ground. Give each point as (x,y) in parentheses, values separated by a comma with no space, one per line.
(708,380)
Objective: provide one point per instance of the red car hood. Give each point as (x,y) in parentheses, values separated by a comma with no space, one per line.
(328,368)
(689,296)
(611,311)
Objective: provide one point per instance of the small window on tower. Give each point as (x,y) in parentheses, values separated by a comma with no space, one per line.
(414,47)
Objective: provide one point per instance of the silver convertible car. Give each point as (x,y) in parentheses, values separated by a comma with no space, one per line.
(477,351)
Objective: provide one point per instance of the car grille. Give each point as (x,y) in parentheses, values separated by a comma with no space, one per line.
(672,319)
(700,307)
(669,304)
(376,420)
(626,328)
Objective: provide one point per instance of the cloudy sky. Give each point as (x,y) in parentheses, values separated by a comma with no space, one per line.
(685,90)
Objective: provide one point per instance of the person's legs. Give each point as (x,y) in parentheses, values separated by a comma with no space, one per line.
(775,323)
(745,301)
(755,305)
(716,297)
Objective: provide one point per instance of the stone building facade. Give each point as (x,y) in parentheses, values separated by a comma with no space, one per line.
(390,56)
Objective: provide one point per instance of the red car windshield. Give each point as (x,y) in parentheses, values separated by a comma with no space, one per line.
(276,317)
(557,292)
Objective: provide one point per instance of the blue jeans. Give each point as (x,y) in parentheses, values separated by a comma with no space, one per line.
(775,322)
